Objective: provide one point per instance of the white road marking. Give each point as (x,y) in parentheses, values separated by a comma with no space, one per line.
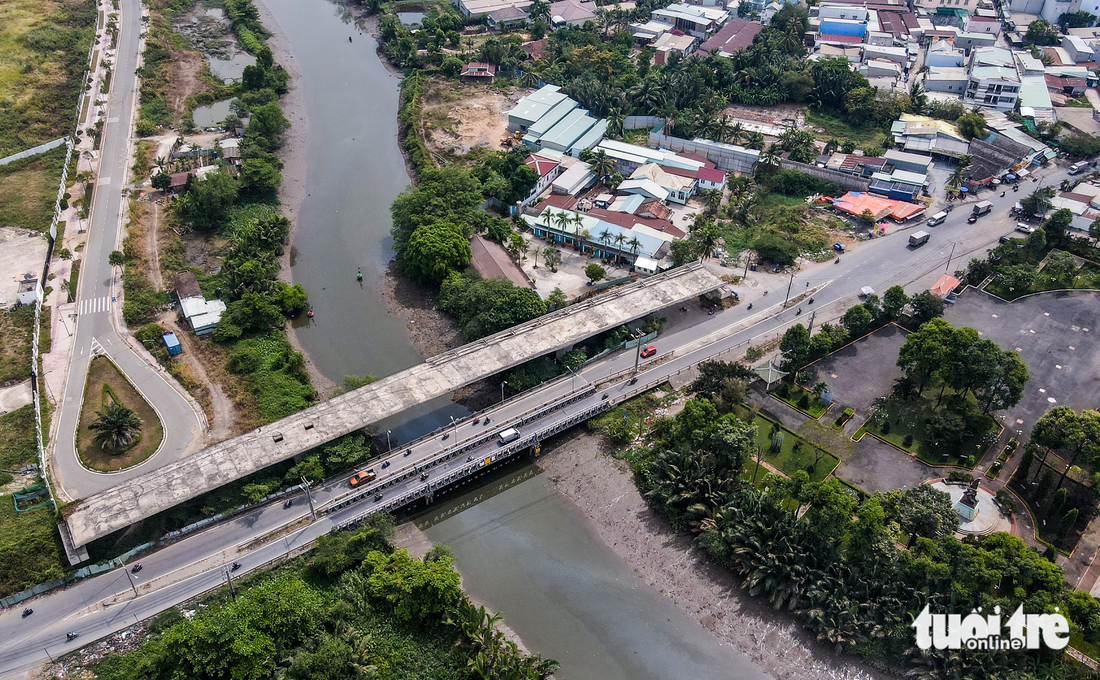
(95,305)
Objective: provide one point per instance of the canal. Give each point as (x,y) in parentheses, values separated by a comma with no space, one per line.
(522,547)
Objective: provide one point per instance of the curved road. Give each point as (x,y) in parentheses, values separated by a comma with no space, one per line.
(98,320)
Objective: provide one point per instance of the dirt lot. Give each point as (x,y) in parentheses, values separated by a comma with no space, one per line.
(460,117)
(103,379)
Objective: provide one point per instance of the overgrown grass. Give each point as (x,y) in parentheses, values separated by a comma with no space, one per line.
(28,189)
(1086,277)
(16,329)
(794,396)
(794,453)
(907,428)
(44,44)
(17,442)
(837,127)
(106,384)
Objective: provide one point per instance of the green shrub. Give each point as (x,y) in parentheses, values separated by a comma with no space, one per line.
(960,476)
(885,427)
(908,441)
(804,401)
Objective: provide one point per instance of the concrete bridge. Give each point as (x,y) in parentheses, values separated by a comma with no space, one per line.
(162,488)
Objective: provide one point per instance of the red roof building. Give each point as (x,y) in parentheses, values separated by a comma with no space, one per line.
(491,261)
(629,221)
(736,35)
(535,49)
(541,165)
(479,72)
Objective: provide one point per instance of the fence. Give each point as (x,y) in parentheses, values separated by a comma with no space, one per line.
(638,122)
(82,573)
(846,181)
(33,151)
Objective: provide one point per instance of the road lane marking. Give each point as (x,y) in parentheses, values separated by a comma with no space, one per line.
(96,305)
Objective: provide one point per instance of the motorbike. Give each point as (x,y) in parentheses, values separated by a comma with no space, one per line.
(477,420)
(750,306)
(603,397)
(634,380)
(136,568)
(27,612)
(235,566)
(798,312)
(71,636)
(289,502)
(385,464)
(486,421)
(408,451)
(423,476)
(836,261)
(1002,194)
(811,301)
(446,436)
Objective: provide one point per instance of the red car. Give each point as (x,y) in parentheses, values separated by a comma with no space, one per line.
(362,477)
(649,351)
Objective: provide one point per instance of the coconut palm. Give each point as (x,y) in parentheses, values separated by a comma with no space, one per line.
(770,158)
(737,133)
(634,244)
(116,427)
(959,173)
(754,140)
(619,239)
(563,219)
(605,238)
(602,164)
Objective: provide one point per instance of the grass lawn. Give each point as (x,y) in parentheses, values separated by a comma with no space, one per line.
(814,406)
(28,189)
(790,458)
(17,441)
(106,382)
(16,328)
(837,127)
(1087,277)
(909,419)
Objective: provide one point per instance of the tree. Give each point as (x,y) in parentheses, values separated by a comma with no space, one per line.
(894,301)
(161,180)
(1075,435)
(1080,145)
(602,164)
(1043,33)
(926,307)
(594,272)
(115,427)
(266,127)
(1079,19)
(259,177)
(1057,226)
(795,346)
(1018,277)
(923,350)
(972,125)
(706,237)
(435,250)
(486,306)
(414,589)
(857,319)
(451,66)
(1006,386)
(776,249)
(206,201)
(683,251)
(977,271)
(723,384)
(557,299)
(1039,202)
(922,511)
(116,258)
(552,257)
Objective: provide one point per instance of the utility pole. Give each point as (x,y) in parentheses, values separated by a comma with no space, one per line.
(813,315)
(502,384)
(948,270)
(48,654)
(637,354)
(748,261)
(389,447)
(229,580)
(309,497)
(789,284)
(130,579)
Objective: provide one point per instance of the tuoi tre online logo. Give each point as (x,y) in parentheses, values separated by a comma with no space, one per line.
(974,631)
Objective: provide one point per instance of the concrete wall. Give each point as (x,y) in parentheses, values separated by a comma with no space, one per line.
(846,181)
(638,122)
(726,156)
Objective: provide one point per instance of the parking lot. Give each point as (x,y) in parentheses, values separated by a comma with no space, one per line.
(862,370)
(1054,333)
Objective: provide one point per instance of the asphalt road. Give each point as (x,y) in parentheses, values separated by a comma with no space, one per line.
(98,307)
(98,606)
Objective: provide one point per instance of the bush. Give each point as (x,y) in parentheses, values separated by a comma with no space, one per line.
(784,389)
(908,441)
(959,476)
(804,401)
(753,353)
(885,427)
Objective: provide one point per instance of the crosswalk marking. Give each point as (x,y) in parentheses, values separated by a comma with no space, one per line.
(96,305)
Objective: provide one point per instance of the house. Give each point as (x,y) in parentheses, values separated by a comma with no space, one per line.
(947,80)
(571,13)
(591,234)
(535,49)
(645,34)
(841,32)
(29,291)
(709,178)
(1077,49)
(629,157)
(900,185)
(643,186)
(1067,86)
(201,314)
(479,8)
(908,162)
(996,87)
(977,24)
(548,169)
(696,21)
(862,166)
(968,41)
(679,189)
(654,210)
(528,110)
(229,150)
(478,72)
(924,135)
(838,10)
(577,178)
(735,36)
(945,286)
(769,12)
(506,17)
(669,43)
(1034,98)
(942,53)
(898,55)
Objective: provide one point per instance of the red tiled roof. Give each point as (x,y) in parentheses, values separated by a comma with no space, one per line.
(711,175)
(491,261)
(559,201)
(178,179)
(541,165)
(832,37)
(535,49)
(736,35)
(945,285)
(659,210)
(477,69)
(628,221)
(1064,81)
(707,163)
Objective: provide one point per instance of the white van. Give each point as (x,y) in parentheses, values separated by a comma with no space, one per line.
(938,218)
(508,436)
(1077,168)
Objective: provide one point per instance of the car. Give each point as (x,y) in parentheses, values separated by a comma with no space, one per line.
(972,219)
(649,351)
(1024,229)
(1005,239)
(363,477)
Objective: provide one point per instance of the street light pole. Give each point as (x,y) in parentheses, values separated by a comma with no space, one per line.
(389,447)
(502,384)
(637,354)
(130,579)
(309,497)
(455,423)
(949,257)
(789,284)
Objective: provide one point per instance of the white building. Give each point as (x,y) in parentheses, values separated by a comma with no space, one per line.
(949,80)
(943,54)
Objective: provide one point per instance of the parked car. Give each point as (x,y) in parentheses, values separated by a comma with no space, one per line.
(1024,229)
(649,351)
(1005,239)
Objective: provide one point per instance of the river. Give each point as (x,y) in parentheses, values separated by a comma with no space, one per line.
(526,550)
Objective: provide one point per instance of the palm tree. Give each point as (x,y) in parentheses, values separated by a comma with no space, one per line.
(605,239)
(619,239)
(634,244)
(563,219)
(959,173)
(116,427)
(602,164)
(754,140)
(615,121)
(770,158)
(540,9)
(737,132)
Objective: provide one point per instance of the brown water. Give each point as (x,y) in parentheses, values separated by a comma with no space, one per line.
(528,551)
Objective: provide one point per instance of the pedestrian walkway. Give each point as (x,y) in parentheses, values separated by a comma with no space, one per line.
(97,305)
